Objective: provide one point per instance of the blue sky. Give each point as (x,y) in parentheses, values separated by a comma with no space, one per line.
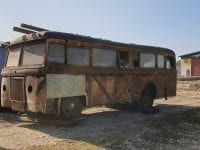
(173,24)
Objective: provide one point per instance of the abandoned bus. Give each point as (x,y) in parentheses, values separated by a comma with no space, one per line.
(57,74)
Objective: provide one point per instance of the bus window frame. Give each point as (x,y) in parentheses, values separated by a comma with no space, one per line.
(77,44)
(130,54)
(47,53)
(66,56)
(107,49)
(173,65)
(145,52)
(22,53)
(54,41)
(157,54)
(127,61)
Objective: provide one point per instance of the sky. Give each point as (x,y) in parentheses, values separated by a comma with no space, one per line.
(173,24)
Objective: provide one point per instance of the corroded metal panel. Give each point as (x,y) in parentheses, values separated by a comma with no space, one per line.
(60,85)
(124,89)
(171,82)
(5,91)
(102,90)
(35,93)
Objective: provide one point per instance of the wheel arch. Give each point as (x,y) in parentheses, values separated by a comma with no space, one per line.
(84,100)
(151,86)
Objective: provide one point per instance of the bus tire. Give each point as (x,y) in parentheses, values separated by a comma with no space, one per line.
(146,100)
(71,108)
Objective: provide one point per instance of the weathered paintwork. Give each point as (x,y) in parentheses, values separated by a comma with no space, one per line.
(5,92)
(36,90)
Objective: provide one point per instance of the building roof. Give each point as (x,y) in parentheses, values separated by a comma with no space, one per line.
(191,55)
(70,36)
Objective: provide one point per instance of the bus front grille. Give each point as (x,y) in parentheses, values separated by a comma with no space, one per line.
(17,89)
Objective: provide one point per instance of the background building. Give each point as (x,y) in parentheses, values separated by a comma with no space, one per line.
(190,64)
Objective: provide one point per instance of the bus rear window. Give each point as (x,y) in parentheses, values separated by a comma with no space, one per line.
(13,57)
(104,58)
(78,56)
(147,60)
(33,54)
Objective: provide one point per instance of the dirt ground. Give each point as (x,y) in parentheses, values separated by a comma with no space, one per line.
(176,126)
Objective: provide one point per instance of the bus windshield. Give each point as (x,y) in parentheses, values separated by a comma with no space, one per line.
(30,55)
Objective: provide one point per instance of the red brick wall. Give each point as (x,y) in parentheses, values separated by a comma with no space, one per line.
(195,69)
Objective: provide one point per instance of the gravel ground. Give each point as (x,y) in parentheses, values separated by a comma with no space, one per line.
(106,128)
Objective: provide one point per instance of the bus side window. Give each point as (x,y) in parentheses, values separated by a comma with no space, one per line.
(56,53)
(124,59)
(147,60)
(170,62)
(160,61)
(78,56)
(104,57)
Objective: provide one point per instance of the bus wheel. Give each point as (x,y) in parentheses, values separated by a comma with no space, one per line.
(146,101)
(70,108)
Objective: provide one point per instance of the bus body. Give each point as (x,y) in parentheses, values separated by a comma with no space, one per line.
(57,73)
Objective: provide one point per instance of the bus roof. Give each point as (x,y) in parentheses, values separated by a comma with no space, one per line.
(70,36)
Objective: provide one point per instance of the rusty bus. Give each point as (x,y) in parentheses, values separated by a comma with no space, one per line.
(56,74)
